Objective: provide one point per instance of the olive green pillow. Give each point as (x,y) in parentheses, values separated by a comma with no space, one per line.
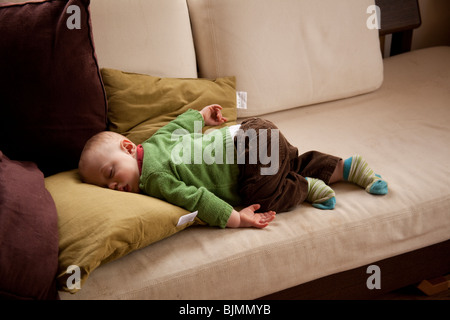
(97,225)
(139,104)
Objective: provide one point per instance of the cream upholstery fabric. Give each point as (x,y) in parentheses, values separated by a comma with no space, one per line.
(287,53)
(144,36)
(402,129)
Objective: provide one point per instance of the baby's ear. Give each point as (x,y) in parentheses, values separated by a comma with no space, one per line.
(128,146)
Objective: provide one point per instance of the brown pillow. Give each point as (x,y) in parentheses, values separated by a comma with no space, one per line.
(51,94)
(28,233)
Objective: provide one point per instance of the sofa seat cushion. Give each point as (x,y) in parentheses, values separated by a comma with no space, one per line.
(401,129)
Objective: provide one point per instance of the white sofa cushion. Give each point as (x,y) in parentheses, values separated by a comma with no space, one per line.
(287,53)
(144,36)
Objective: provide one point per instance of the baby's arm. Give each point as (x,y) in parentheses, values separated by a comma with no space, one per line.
(248,218)
(211,209)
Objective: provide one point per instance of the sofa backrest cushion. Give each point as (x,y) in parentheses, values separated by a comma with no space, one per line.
(144,36)
(288,53)
(51,95)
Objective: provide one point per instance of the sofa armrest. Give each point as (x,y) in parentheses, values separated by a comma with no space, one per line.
(399,18)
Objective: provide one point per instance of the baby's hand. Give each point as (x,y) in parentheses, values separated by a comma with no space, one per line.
(258,220)
(212,115)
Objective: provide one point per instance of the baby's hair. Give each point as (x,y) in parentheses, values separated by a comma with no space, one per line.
(94,143)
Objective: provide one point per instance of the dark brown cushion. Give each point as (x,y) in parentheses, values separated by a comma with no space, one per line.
(28,233)
(51,94)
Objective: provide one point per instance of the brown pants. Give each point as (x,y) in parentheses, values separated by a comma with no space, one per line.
(287,187)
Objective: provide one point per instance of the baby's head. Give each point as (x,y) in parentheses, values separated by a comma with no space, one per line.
(109,160)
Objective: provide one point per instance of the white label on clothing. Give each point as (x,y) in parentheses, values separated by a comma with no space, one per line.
(234,129)
(241,99)
(187,218)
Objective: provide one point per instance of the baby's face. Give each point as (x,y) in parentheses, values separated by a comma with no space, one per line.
(115,167)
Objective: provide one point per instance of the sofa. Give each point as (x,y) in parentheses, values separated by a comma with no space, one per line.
(314,68)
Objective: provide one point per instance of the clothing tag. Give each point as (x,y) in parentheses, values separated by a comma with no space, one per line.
(241,99)
(234,129)
(187,218)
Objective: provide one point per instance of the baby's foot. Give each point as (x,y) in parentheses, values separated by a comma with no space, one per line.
(357,170)
(320,195)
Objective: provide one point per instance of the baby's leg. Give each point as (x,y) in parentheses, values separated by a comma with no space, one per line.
(283,188)
(357,170)
(319,165)
(320,195)
(321,170)
(338,174)
(287,187)
(276,192)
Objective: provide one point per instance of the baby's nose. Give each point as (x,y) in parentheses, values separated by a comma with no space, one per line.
(112,185)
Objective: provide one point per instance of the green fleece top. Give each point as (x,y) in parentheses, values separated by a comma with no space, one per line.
(192,170)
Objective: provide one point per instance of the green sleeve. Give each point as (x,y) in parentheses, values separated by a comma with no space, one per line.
(211,209)
(191,121)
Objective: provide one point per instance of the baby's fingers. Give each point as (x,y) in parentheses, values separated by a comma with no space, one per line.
(265,218)
(268,216)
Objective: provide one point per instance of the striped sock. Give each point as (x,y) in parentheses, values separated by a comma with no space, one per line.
(357,170)
(320,195)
